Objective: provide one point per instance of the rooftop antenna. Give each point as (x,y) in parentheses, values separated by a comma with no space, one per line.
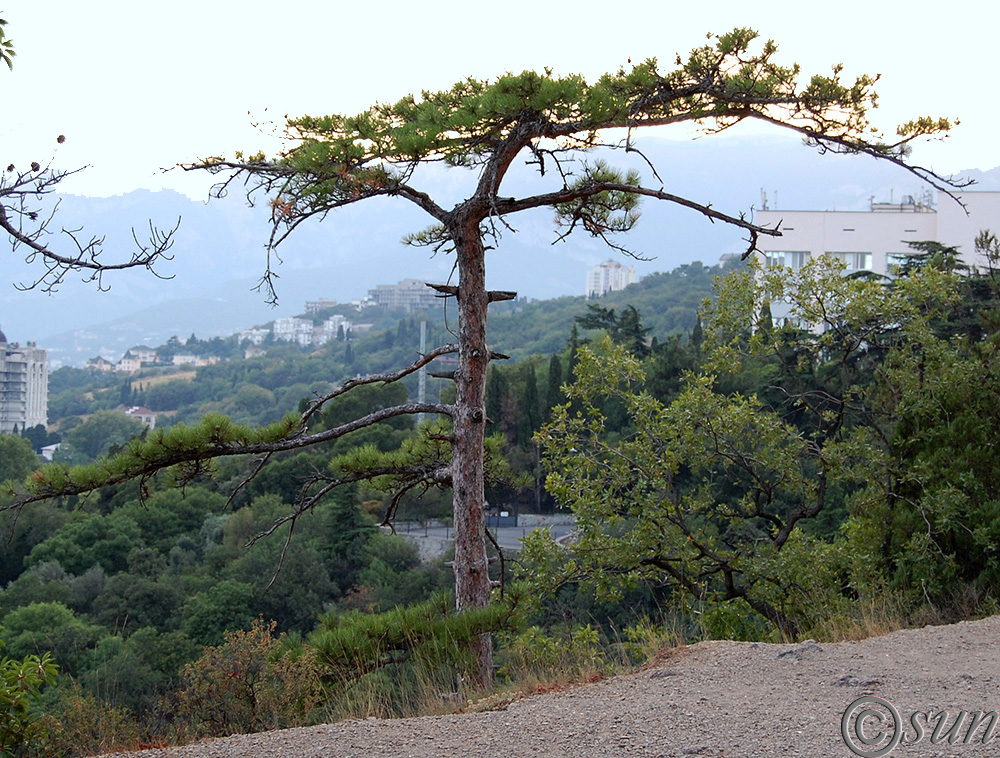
(763,199)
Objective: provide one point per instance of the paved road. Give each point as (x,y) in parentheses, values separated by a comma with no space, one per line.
(434,540)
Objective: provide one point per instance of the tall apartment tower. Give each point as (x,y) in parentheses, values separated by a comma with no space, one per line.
(609,276)
(24,386)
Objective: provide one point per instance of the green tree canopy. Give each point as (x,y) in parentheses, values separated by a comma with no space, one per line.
(95,436)
(17,458)
(485,126)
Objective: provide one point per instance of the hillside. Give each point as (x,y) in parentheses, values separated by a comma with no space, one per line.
(667,302)
(719,699)
(219,256)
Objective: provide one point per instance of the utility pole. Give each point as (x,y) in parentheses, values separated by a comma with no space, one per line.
(422,373)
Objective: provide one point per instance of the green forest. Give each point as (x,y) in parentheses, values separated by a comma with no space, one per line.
(740,478)
(753,452)
(127,588)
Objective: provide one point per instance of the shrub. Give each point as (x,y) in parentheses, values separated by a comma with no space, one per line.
(253,681)
(406,661)
(572,655)
(21,683)
(78,723)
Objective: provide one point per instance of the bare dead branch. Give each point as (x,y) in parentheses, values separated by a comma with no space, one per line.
(261,462)
(23,219)
(384,378)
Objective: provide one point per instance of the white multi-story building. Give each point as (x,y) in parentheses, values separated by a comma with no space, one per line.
(315,306)
(876,239)
(409,295)
(254,336)
(298,330)
(609,276)
(24,386)
(331,327)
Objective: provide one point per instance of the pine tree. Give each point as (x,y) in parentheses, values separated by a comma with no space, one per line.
(485,127)
(553,389)
(529,418)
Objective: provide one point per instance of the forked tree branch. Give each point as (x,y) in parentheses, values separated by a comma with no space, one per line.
(217,437)
(28,225)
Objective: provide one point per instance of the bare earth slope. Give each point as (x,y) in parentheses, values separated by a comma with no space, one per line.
(728,699)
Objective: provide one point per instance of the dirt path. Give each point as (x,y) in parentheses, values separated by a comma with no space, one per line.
(719,699)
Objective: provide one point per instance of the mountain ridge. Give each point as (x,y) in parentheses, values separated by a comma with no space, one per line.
(219,252)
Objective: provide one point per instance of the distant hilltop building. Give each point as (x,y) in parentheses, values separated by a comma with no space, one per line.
(304,332)
(298,330)
(876,240)
(609,276)
(138,358)
(254,336)
(24,386)
(409,295)
(141,413)
(315,306)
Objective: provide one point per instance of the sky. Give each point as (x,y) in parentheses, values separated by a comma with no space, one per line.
(140,87)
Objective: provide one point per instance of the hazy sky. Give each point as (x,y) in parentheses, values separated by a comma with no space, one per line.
(137,86)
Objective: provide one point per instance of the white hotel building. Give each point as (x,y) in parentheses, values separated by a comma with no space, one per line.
(24,386)
(875,240)
(609,276)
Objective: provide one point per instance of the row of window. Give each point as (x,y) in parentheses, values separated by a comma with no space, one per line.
(853,261)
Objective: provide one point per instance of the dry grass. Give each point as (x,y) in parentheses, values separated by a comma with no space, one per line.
(158,379)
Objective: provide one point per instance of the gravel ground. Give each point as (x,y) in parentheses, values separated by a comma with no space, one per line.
(719,699)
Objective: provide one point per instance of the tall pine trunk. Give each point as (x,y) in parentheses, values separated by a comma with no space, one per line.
(472,581)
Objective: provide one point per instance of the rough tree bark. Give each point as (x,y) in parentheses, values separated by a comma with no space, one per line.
(472,581)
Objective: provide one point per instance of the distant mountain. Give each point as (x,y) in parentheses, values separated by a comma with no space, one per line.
(219,253)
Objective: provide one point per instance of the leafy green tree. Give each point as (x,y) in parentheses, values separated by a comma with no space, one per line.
(166,515)
(50,627)
(496,392)
(342,536)
(135,671)
(251,404)
(32,587)
(712,493)
(87,539)
(95,436)
(21,683)
(928,525)
(131,601)
(599,318)
(647,505)
(39,437)
(17,458)
(573,343)
(225,607)
(631,332)
(293,596)
(553,388)
(485,126)
(530,409)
